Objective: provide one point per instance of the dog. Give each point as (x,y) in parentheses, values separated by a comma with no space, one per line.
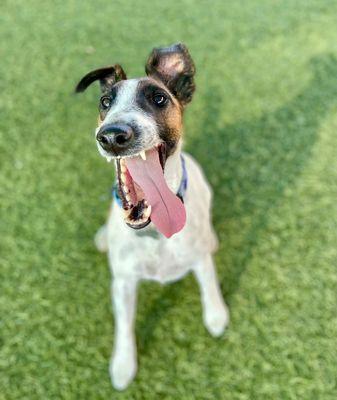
(159,226)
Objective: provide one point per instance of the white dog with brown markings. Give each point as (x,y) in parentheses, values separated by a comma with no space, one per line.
(159,226)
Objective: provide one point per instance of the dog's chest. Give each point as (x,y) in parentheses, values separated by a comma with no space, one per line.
(164,262)
(149,255)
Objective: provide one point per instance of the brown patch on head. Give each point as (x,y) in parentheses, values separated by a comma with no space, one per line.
(168,117)
(172,118)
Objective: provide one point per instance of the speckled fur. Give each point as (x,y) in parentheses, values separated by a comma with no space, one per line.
(133,258)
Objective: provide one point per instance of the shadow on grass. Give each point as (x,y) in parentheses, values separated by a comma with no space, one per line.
(168,297)
(257,160)
(250,164)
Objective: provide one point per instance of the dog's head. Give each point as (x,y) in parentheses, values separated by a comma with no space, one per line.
(138,114)
(142,118)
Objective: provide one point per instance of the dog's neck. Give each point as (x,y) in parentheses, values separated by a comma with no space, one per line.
(173,169)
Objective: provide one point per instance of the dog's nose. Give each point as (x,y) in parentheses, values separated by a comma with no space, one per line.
(115,137)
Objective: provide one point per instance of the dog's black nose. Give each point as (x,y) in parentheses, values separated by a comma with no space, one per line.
(115,137)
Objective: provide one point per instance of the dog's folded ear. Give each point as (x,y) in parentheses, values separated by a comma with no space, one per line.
(175,68)
(107,77)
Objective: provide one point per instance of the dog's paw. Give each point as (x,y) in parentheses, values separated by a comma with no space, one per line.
(123,368)
(216,320)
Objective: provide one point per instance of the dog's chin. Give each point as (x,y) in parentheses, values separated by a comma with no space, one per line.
(136,210)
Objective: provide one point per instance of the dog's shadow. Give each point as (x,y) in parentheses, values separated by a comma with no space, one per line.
(250,164)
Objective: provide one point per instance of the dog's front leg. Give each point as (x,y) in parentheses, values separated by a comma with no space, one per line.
(215,312)
(123,364)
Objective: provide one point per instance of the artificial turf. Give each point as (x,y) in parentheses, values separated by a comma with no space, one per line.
(263,125)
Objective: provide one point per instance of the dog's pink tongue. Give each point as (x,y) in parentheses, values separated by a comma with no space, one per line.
(167,210)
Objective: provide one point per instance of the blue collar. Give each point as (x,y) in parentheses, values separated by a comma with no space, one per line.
(183,183)
(180,193)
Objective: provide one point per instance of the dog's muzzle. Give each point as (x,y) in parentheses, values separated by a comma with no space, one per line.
(115,138)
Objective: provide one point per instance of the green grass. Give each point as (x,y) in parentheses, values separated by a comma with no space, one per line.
(263,124)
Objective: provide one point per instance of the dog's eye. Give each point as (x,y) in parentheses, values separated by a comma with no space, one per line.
(105,102)
(159,99)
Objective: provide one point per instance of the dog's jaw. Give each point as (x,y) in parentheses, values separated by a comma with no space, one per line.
(147,187)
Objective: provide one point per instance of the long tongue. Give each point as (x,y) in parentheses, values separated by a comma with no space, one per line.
(167,210)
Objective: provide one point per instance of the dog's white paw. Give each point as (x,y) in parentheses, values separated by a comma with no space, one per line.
(123,368)
(216,319)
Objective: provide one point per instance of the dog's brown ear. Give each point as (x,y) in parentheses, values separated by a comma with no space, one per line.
(175,68)
(107,77)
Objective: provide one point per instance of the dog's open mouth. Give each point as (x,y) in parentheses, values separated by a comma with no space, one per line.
(137,210)
(145,195)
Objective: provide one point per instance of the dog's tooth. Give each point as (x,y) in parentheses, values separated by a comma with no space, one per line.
(123,178)
(123,168)
(147,211)
(126,213)
(128,198)
(126,189)
(108,158)
(143,155)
